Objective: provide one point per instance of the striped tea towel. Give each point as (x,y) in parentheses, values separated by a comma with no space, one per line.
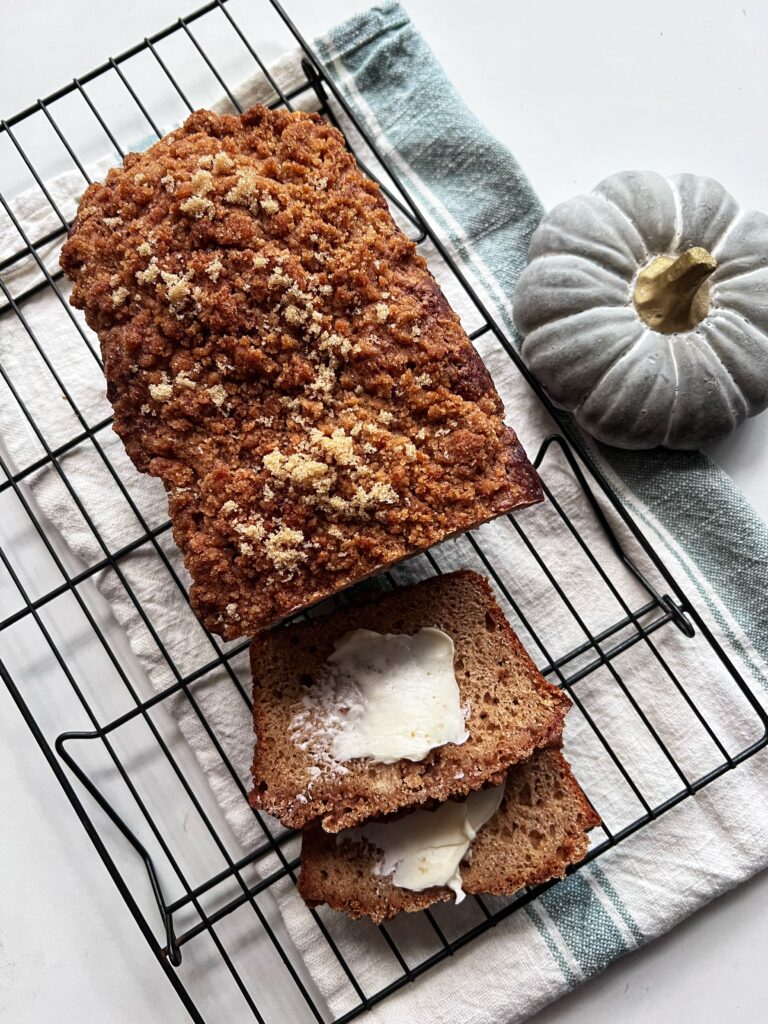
(483,208)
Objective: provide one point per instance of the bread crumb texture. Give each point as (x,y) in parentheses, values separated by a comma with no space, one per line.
(295,357)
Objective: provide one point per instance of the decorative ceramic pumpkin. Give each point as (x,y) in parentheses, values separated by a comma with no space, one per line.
(644,310)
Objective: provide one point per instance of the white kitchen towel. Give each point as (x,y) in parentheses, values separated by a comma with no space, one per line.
(484,210)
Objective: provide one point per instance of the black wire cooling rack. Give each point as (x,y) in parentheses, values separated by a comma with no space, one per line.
(216,915)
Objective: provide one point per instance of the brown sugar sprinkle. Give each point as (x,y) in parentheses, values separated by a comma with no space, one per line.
(288,366)
(213,269)
(198,206)
(217,394)
(222,162)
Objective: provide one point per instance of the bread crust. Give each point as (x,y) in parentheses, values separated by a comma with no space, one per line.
(279,355)
(512,709)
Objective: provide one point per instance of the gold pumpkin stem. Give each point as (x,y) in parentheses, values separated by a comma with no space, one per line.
(672,292)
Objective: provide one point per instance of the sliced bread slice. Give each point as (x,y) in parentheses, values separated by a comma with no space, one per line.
(511,710)
(539,830)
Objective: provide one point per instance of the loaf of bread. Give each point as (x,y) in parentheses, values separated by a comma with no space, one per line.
(510,709)
(538,831)
(279,355)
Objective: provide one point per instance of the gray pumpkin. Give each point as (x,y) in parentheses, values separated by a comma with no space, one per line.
(644,310)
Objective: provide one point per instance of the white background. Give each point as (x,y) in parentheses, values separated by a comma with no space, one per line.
(577,90)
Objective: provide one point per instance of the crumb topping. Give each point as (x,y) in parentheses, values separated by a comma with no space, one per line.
(287,365)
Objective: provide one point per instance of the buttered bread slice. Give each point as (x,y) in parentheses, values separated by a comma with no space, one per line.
(378,870)
(424,694)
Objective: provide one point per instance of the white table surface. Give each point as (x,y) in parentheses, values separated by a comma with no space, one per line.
(592,88)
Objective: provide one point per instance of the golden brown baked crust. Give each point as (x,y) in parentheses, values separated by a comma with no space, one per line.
(512,710)
(539,830)
(281,357)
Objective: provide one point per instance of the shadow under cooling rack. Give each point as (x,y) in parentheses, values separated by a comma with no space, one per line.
(219,909)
